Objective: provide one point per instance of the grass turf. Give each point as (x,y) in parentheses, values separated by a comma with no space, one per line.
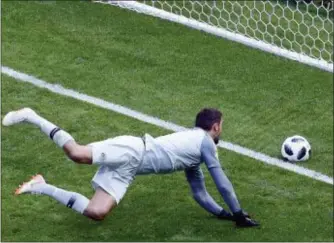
(171,72)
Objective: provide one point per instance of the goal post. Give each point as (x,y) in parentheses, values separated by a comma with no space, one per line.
(300,30)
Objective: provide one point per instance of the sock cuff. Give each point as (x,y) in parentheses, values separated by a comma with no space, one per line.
(60,137)
(78,202)
(54,131)
(71,202)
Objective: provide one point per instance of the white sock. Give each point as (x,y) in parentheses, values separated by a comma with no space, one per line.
(72,200)
(60,137)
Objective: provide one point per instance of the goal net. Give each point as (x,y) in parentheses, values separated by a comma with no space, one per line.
(298,29)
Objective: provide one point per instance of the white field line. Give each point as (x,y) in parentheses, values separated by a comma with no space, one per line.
(58,89)
(224,33)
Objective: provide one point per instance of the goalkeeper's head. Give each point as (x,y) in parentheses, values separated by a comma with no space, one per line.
(210,120)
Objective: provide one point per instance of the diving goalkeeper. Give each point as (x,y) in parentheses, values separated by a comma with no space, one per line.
(121,159)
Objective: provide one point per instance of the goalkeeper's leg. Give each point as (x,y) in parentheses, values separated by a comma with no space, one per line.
(96,208)
(77,153)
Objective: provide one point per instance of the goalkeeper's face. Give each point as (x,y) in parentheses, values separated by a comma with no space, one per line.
(217,130)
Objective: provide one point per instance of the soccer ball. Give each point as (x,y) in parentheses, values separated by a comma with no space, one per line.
(295,149)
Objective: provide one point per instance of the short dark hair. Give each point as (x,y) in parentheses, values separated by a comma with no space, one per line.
(207,117)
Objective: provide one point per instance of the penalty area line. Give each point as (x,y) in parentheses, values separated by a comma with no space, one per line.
(58,89)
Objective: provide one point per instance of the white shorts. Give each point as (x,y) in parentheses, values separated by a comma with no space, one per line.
(119,159)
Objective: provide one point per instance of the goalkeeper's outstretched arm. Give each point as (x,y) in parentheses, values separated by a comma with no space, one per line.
(210,157)
(223,184)
(195,178)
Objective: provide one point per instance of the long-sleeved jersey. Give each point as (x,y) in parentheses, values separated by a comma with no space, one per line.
(187,150)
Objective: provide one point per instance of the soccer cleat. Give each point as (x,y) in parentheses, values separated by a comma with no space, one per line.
(225,215)
(247,222)
(242,219)
(27,187)
(18,116)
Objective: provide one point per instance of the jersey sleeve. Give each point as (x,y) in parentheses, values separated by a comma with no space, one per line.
(195,178)
(210,157)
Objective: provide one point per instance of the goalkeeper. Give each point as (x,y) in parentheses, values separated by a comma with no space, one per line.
(121,158)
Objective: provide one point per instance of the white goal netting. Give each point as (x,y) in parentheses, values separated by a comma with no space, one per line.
(304,27)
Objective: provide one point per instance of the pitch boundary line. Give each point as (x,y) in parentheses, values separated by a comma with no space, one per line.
(59,89)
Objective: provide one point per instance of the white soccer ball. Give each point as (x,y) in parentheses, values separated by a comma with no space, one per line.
(295,149)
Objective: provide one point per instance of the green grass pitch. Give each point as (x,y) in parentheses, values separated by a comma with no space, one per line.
(169,71)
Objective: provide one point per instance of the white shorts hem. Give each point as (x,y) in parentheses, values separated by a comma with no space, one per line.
(96,185)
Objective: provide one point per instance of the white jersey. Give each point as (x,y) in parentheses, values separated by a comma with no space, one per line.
(176,151)
(122,158)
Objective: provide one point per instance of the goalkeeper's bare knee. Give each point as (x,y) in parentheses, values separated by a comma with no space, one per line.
(78,153)
(100,205)
(96,213)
